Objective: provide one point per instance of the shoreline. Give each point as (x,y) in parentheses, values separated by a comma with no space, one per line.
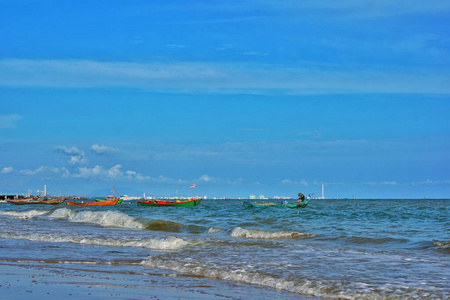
(49,281)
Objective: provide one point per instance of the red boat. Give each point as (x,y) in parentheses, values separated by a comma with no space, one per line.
(95,203)
(183,203)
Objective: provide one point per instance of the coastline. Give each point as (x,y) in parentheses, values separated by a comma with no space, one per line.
(37,281)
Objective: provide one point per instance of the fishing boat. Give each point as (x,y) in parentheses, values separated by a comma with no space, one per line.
(110,200)
(302,204)
(183,203)
(94,203)
(37,200)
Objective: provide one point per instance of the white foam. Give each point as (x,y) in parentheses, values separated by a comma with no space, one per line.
(304,286)
(24,214)
(170,243)
(62,213)
(102,218)
(242,276)
(239,232)
(214,230)
(441,244)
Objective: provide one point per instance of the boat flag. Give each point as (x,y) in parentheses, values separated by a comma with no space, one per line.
(192,186)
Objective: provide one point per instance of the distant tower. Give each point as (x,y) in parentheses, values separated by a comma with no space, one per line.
(323,192)
(45,190)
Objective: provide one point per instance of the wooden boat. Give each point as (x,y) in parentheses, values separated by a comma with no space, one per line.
(95,203)
(302,204)
(183,203)
(110,200)
(38,200)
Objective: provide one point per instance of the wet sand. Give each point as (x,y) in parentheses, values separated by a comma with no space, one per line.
(25,281)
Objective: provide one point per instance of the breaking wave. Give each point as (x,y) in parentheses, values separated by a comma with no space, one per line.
(239,232)
(301,285)
(214,230)
(442,244)
(169,243)
(197,269)
(102,218)
(24,214)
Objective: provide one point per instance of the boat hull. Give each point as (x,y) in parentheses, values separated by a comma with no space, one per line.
(287,205)
(99,203)
(187,203)
(37,201)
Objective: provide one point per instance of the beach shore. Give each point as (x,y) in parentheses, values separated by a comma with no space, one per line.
(31,281)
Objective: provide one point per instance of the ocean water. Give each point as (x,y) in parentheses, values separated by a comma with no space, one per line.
(346,249)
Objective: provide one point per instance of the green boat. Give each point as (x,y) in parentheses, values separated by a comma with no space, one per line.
(182,203)
(302,204)
(109,199)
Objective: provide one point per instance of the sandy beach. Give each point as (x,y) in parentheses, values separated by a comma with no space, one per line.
(30,281)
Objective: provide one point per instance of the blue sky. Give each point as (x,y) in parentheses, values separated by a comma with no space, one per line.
(239,97)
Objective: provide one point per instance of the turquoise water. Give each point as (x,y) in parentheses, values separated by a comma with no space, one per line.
(364,249)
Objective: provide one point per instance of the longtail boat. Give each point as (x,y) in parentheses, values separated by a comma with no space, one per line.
(110,200)
(95,203)
(302,204)
(183,203)
(35,200)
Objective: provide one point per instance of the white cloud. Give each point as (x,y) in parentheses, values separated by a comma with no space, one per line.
(429,182)
(9,121)
(84,172)
(224,78)
(6,170)
(301,182)
(356,9)
(176,46)
(76,156)
(99,172)
(135,175)
(380,183)
(101,149)
(131,173)
(114,172)
(47,171)
(205,178)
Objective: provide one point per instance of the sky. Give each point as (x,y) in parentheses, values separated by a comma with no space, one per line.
(239,97)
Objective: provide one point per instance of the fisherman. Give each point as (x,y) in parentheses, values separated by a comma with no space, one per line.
(301,198)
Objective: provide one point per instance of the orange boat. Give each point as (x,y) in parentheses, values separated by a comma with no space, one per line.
(96,203)
(110,200)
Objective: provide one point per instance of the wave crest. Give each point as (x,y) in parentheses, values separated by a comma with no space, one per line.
(442,244)
(25,214)
(102,218)
(239,232)
(170,243)
(300,286)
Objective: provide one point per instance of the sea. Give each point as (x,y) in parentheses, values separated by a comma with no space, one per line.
(332,249)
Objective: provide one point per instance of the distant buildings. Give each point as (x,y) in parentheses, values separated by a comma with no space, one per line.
(281,198)
(260,197)
(313,196)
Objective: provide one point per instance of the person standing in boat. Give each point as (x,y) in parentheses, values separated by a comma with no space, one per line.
(301,198)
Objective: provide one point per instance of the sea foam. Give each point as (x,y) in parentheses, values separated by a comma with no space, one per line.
(169,243)
(256,278)
(239,232)
(330,289)
(102,218)
(25,214)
